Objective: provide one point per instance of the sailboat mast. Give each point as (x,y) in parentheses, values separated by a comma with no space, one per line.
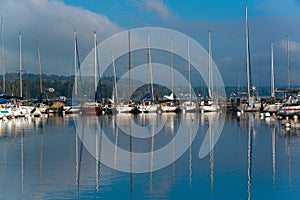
(288,60)
(150,66)
(20,41)
(129,64)
(95,64)
(75,64)
(272,73)
(172,64)
(209,64)
(115,77)
(247,54)
(189,68)
(3,56)
(40,68)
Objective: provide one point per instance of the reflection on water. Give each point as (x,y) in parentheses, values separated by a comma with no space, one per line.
(44,158)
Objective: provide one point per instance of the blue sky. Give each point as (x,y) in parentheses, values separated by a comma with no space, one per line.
(52,23)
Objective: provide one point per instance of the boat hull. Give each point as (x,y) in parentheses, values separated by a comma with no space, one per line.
(272,108)
(209,108)
(72,109)
(91,110)
(125,108)
(189,106)
(289,110)
(149,108)
(255,107)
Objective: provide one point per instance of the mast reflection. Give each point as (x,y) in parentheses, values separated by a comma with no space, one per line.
(249,153)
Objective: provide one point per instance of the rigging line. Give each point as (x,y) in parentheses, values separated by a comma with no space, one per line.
(98,74)
(78,62)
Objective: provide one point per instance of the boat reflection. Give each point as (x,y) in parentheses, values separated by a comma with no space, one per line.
(274,152)
(55,162)
(211,120)
(251,131)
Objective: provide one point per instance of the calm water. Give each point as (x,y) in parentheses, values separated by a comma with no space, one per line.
(252,159)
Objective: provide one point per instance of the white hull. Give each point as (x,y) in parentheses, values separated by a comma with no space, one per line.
(125,108)
(4,113)
(108,108)
(17,113)
(289,110)
(272,108)
(35,112)
(148,108)
(169,107)
(209,108)
(189,106)
(42,107)
(26,111)
(255,107)
(72,109)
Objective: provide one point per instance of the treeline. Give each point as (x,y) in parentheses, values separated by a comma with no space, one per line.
(62,85)
(52,85)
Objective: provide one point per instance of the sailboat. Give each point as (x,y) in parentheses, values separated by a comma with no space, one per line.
(208,105)
(129,106)
(148,104)
(170,104)
(27,111)
(292,105)
(189,106)
(4,112)
(272,106)
(110,106)
(93,107)
(73,106)
(43,108)
(251,103)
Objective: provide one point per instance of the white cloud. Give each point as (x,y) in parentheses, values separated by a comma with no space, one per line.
(157,6)
(52,23)
(293,46)
(227,59)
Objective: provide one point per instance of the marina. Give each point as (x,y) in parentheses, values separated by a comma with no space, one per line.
(149,100)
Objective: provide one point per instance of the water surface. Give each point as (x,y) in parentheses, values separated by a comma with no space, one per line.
(44,158)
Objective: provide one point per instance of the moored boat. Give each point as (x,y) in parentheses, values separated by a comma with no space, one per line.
(290,108)
(72,109)
(189,105)
(126,107)
(250,103)
(208,104)
(147,106)
(170,104)
(91,108)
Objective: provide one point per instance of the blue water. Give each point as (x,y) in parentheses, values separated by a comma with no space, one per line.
(253,159)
